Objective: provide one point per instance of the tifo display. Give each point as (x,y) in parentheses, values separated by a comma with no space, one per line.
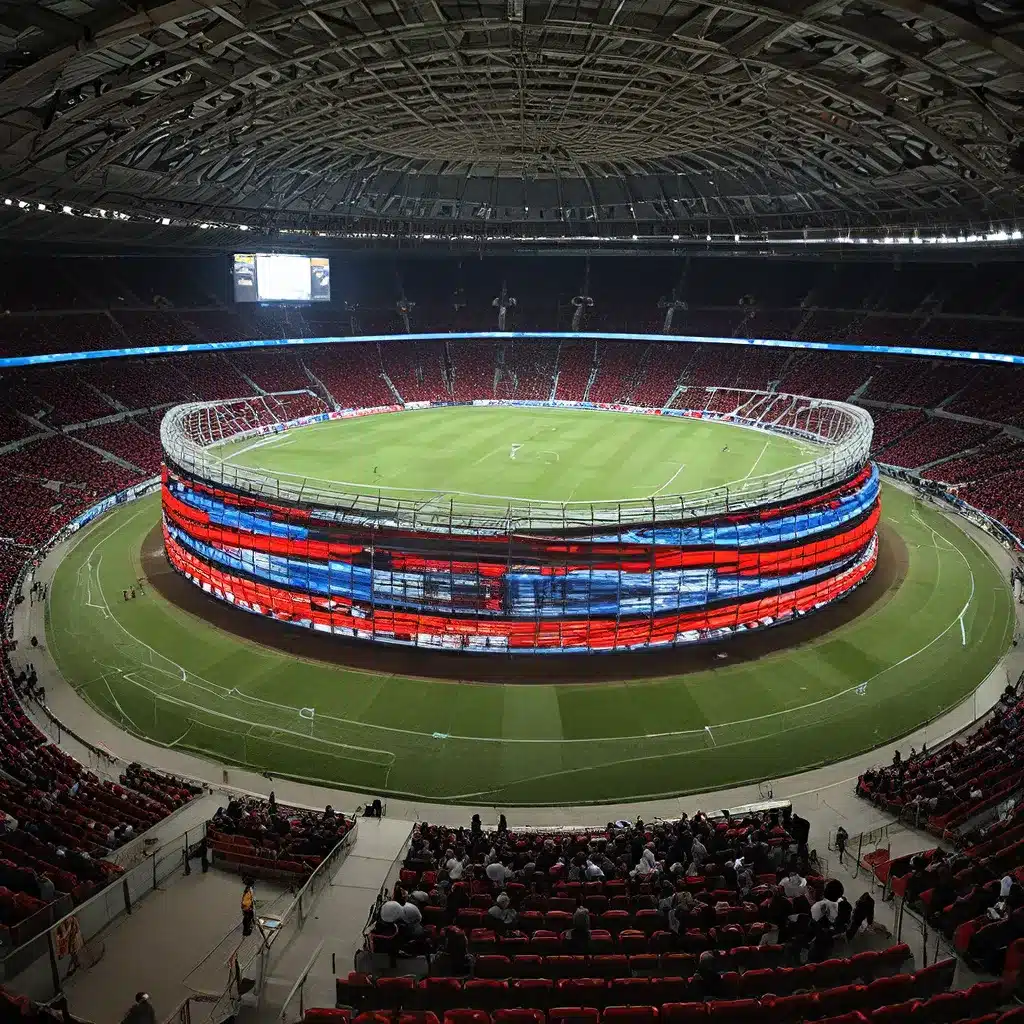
(593,577)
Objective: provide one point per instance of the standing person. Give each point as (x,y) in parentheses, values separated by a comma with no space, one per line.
(842,836)
(248,910)
(141,1011)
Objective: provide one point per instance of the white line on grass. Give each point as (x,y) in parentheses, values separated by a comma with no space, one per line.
(756,461)
(213,688)
(183,735)
(280,440)
(654,494)
(120,710)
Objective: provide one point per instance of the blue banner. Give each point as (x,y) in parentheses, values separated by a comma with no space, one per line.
(225,346)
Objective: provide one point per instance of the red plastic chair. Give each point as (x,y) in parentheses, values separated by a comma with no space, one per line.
(492,966)
(466,1017)
(630,1015)
(517,1016)
(898,1013)
(684,1013)
(573,1015)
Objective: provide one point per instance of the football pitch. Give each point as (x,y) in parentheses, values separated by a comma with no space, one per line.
(496,455)
(163,673)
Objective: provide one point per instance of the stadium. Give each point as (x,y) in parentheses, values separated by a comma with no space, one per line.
(511,513)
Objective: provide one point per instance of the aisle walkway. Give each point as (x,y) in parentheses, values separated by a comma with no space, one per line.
(339,915)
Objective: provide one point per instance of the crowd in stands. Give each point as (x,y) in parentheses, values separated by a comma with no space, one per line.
(634,923)
(59,821)
(55,463)
(932,440)
(262,838)
(691,886)
(966,792)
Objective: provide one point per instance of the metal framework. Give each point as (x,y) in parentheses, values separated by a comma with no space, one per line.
(191,433)
(544,117)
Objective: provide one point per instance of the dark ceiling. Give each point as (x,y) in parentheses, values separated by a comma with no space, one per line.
(518,117)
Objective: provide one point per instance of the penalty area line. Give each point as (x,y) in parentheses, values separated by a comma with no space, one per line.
(750,471)
(668,482)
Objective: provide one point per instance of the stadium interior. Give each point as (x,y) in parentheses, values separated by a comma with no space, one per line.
(307,210)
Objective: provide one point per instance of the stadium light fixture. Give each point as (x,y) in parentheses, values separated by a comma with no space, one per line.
(67,209)
(22,204)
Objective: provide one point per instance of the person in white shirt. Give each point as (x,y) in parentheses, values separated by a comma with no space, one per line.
(825,910)
(454,866)
(593,871)
(501,916)
(497,872)
(647,866)
(699,852)
(794,885)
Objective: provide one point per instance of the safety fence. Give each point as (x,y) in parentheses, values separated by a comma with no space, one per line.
(75,940)
(249,963)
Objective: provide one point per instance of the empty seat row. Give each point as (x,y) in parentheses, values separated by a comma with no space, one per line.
(439,993)
(980,1003)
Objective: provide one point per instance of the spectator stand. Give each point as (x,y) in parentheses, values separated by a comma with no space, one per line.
(367,960)
(44,962)
(288,844)
(963,895)
(254,960)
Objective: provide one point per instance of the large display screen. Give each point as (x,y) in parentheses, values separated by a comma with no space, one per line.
(281,277)
(617,587)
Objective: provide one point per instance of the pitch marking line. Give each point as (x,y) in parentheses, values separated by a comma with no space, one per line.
(481,739)
(750,471)
(654,494)
(120,710)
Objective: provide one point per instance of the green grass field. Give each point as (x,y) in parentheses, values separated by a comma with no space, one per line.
(566,455)
(163,674)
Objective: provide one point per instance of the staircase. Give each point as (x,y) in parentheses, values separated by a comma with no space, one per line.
(391,384)
(320,387)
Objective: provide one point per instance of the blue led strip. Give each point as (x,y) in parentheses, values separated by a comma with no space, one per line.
(224,346)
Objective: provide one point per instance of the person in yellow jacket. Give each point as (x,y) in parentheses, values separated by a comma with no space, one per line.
(248,910)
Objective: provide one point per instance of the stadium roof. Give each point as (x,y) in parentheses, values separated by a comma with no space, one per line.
(523,117)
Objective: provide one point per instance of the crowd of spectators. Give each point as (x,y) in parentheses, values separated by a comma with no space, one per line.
(966,792)
(59,821)
(934,439)
(258,837)
(696,885)
(633,923)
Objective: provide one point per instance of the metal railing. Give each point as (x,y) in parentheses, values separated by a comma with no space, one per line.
(845,431)
(298,990)
(246,975)
(41,966)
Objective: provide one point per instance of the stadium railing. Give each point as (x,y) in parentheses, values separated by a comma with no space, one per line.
(42,964)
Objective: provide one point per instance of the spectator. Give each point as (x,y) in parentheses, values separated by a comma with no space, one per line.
(707,981)
(647,865)
(502,917)
(842,837)
(141,1011)
(794,884)
(455,947)
(577,939)
(863,915)
(248,910)
(497,873)
(455,866)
